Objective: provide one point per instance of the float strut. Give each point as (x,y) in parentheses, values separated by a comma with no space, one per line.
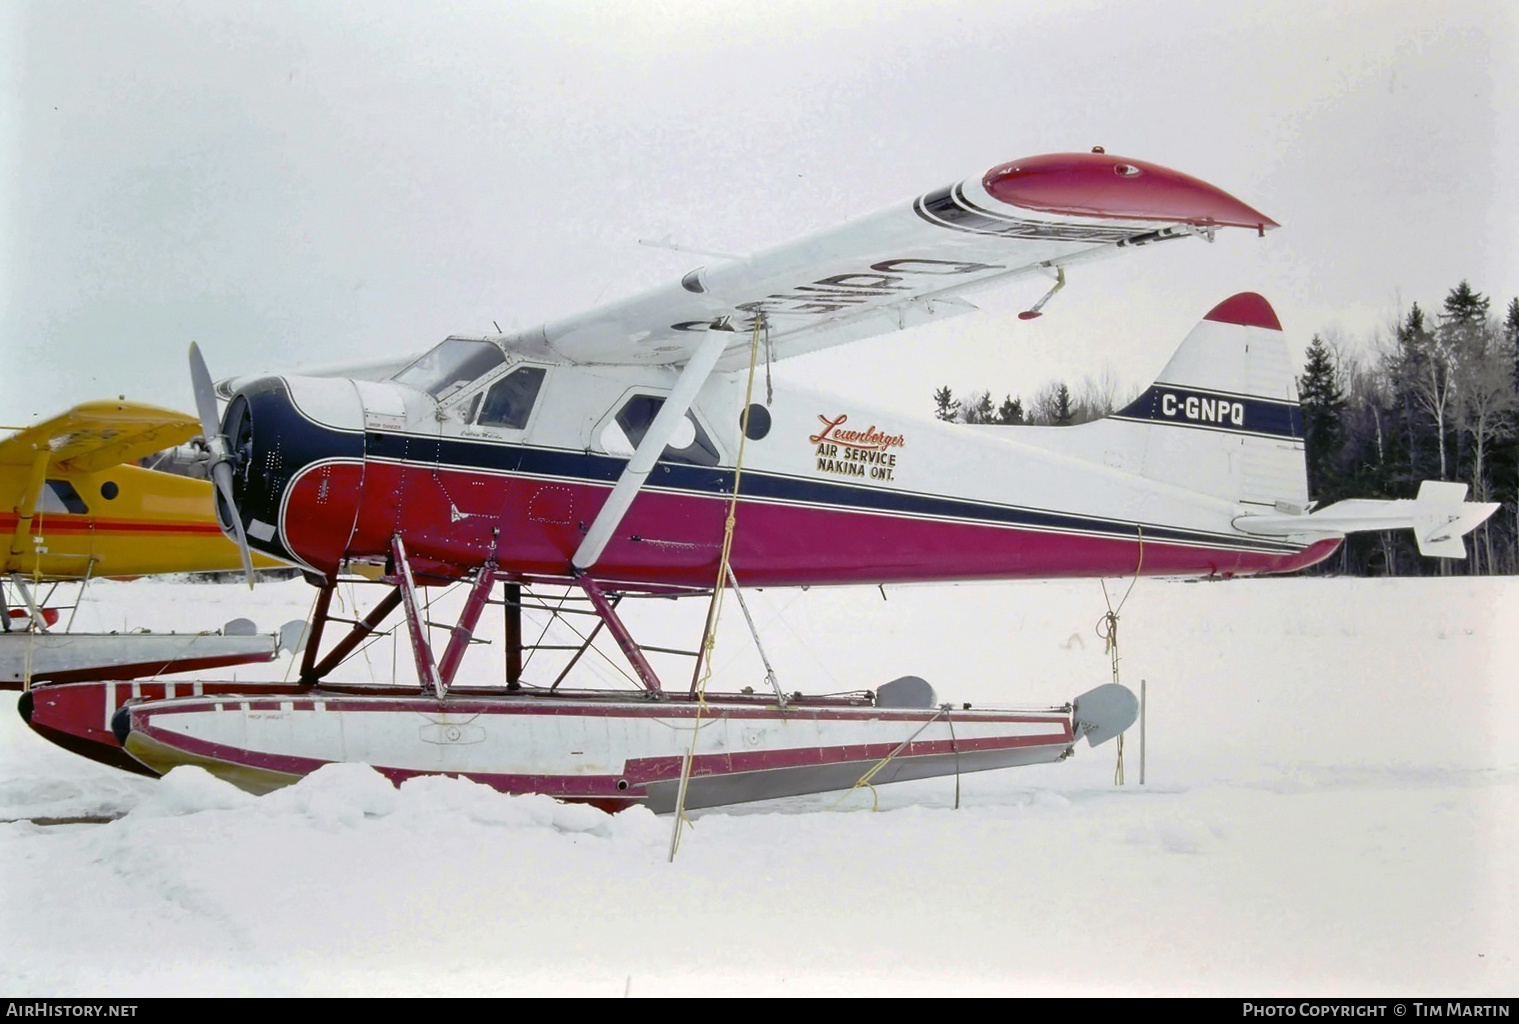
(356,635)
(620,633)
(512,594)
(427,669)
(318,623)
(458,642)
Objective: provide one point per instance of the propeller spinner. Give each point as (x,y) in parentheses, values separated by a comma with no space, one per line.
(220,453)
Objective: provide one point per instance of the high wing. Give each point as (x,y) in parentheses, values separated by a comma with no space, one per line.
(98,435)
(903,266)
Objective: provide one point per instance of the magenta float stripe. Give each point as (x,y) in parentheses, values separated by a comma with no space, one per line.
(636,770)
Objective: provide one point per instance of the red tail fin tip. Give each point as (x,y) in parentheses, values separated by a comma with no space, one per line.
(1246,309)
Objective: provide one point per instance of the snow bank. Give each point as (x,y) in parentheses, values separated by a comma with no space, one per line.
(1332,805)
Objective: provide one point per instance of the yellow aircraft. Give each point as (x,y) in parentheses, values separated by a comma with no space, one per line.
(74,505)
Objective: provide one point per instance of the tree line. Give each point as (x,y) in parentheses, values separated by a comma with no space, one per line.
(1433,398)
(1054,405)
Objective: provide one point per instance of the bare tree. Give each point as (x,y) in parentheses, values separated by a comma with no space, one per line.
(1487,403)
(1096,397)
(1433,382)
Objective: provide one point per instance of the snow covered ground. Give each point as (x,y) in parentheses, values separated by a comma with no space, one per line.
(1331,807)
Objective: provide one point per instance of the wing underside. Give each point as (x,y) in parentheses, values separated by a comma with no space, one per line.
(98,435)
(903,266)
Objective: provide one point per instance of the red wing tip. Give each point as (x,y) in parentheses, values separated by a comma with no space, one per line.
(1247,309)
(1102,185)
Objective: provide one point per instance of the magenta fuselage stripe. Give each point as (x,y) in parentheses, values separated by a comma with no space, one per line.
(779,542)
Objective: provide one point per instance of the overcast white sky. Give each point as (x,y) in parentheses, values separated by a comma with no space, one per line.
(294,185)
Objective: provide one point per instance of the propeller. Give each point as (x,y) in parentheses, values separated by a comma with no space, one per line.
(219,450)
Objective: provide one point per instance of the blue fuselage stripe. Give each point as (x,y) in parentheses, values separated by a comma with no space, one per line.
(493,457)
(1216,410)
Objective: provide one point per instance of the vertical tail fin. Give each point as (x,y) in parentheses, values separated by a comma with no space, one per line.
(1223,416)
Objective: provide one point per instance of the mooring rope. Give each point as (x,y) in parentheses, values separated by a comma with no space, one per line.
(1107,629)
(709,641)
(866,779)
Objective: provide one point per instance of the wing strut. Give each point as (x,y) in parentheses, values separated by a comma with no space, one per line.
(695,374)
(27,510)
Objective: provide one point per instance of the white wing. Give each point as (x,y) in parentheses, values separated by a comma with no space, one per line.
(905,265)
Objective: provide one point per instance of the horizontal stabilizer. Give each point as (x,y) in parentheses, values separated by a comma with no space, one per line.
(1440,516)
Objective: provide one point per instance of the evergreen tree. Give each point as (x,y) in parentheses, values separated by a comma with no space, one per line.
(1407,433)
(1063,412)
(945,405)
(1511,334)
(982,411)
(1464,306)
(1463,342)
(1323,402)
(1011,411)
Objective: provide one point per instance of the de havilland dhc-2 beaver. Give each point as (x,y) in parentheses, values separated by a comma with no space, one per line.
(626,451)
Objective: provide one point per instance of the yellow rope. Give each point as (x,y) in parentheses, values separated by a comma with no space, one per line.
(34,625)
(715,610)
(1107,628)
(867,779)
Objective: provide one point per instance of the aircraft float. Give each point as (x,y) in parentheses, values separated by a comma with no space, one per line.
(628,451)
(76,506)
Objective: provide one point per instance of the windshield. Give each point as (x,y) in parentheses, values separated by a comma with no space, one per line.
(450,366)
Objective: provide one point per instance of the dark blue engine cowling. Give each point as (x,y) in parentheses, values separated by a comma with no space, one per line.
(271,439)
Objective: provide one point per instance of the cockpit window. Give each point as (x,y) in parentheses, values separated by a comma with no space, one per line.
(450,366)
(510,400)
(689,444)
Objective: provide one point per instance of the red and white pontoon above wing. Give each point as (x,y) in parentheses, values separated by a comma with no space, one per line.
(906,265)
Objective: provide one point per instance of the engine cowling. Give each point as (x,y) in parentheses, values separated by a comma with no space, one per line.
(297,450)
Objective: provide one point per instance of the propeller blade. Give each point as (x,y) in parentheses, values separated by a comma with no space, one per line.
(221,469)
(205,395)
(221,472)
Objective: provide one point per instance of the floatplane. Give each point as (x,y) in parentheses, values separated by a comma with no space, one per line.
(76,506)
(626,451)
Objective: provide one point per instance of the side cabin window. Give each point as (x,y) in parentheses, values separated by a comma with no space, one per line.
(60,496)
(451,365)
(509,402)
(690,443)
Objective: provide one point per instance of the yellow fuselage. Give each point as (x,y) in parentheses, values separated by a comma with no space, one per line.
(120,521)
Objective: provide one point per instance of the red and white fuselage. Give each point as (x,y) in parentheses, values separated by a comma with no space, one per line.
(831,490)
